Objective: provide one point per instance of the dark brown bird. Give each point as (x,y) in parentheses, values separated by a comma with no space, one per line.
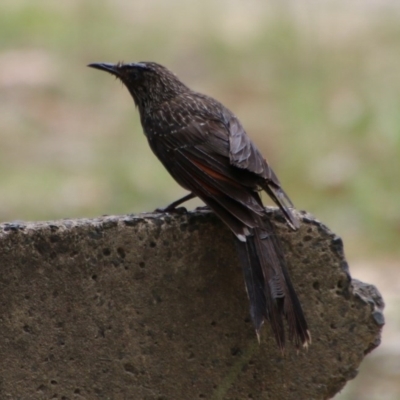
(206,150)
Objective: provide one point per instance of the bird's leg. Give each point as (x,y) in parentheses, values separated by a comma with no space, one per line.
(172,206)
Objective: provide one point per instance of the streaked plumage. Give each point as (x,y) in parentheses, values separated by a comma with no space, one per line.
(206,150)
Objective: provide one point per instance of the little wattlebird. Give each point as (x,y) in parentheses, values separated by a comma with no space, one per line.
(206,150)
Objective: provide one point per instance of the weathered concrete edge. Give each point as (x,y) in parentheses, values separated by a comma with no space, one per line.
(367,293)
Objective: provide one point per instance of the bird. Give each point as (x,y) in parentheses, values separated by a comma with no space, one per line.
(205,148)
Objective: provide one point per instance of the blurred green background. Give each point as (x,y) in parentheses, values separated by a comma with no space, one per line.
(316,84)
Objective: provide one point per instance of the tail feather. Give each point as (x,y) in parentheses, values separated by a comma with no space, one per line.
(298,329)
(282,200)
(270,291)
(254,280)
(298,332)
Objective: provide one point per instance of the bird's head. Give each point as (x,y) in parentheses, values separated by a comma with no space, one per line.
(149,83)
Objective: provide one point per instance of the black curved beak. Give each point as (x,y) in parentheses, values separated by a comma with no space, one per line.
(110,68)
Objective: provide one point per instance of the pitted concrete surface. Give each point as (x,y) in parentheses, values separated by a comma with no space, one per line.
(153,306)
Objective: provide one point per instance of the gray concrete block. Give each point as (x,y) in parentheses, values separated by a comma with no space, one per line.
(153,306)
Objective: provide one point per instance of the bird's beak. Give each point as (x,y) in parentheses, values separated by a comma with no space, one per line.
(111,68)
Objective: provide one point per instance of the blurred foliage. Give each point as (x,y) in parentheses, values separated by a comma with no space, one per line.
(316,87)
(316,84)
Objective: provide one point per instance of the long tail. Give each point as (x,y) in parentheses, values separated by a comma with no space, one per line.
(269,288)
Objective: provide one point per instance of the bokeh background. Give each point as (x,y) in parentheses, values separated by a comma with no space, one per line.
(315,83)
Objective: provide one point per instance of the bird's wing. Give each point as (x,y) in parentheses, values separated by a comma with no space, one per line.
(197,156)
(244,155)
(226,149)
